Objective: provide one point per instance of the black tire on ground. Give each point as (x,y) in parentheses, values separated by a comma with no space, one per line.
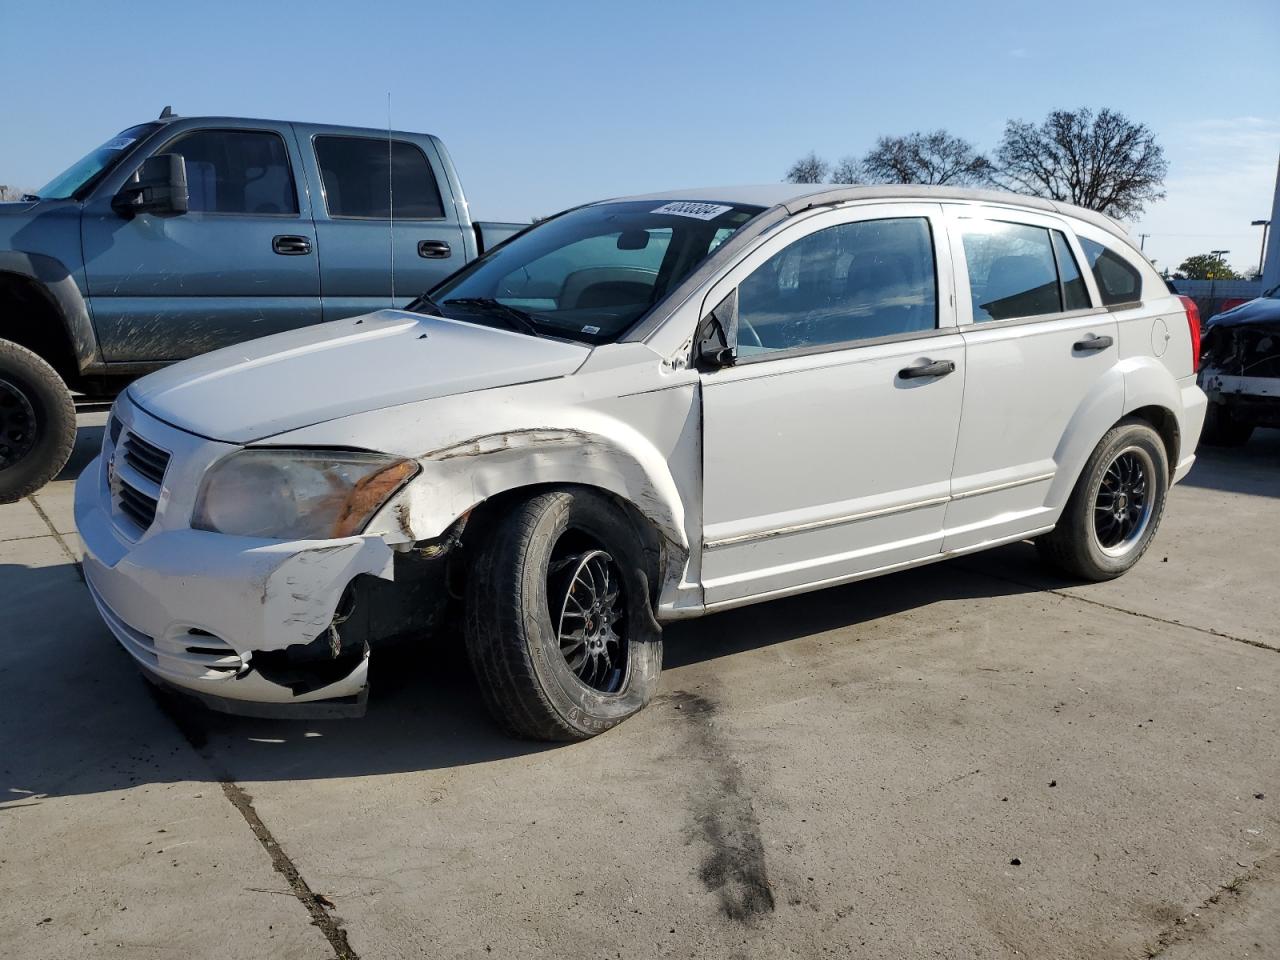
(518,616)
(1221,429)
(37,422)
(1116,507)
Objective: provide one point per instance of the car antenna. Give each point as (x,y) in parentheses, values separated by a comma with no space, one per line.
(391,205)
(167,112)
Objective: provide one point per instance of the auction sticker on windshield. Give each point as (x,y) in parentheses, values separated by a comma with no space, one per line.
(688,208)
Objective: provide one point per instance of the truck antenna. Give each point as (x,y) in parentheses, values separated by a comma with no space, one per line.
(391,205)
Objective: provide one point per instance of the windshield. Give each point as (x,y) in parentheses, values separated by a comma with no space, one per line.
(93,164)
(591,273)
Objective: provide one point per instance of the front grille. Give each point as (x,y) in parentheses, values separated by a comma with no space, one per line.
(139,472)
(148,460)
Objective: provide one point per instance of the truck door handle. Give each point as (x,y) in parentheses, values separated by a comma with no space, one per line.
(290,246)
(929,368)
(434,250)
(1092,342)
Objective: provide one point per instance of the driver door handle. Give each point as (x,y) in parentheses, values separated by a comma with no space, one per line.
(929,368)
(289,246)
(434,250)
(1092,342)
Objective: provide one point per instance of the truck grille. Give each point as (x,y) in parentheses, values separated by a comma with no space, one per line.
(139,471)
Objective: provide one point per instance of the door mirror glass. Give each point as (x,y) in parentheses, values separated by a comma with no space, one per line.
(158,187)
(716,345)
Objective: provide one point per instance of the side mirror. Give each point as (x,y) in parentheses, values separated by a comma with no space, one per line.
(158,186)
(716,344)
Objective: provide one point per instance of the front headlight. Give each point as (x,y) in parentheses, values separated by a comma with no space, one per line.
(297,494)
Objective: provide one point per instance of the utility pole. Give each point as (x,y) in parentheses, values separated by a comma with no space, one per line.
(1142,241)
(1262,257)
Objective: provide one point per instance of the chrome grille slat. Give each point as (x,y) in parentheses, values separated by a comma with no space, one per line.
(139,474)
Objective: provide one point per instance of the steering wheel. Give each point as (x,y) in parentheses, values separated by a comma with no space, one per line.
(747,335)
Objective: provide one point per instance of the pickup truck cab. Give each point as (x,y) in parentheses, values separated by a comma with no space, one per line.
(637,411)
(186,234)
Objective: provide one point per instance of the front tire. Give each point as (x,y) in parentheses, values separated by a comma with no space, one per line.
(560,628)
(1115,509)
(37,422)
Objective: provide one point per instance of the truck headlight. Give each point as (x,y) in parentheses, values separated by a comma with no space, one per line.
(297,494)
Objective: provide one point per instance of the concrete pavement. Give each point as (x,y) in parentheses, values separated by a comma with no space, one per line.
(973,759)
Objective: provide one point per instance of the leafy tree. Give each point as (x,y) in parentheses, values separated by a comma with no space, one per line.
(1205,266)
(808,169)
(936,157)
(1102,161)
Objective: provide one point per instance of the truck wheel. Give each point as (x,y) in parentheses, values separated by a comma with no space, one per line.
(1115,508)
(37,422)
(560,629)
(1221,429)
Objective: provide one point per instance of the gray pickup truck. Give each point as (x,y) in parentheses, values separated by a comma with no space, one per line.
(186,234)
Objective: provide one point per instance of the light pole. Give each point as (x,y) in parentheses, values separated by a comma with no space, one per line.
(1218,255)
(1265,225)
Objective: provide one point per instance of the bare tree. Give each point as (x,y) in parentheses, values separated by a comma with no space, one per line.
(10,193)
(808,169)
(1105,162)
(936,157)
(848,170)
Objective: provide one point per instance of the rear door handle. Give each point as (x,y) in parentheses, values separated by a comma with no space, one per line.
(290,246)
(929,368)
(1092,342)
(434,250)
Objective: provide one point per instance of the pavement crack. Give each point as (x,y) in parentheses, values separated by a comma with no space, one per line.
(1191,926)
(1117,609)
(236,795)
(71,554)
(321,917)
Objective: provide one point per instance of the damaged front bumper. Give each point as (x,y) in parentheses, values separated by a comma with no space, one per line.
(246,625)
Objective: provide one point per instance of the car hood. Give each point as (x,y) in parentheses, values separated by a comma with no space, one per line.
(315,374)
(1263,310)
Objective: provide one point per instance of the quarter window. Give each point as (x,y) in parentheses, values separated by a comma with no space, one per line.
(1118,281)
(236,171)
(364,177)
(850,282)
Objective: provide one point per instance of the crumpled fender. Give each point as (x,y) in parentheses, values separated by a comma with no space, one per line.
(598,450)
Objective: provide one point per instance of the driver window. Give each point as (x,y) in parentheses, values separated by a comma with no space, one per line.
(850,282)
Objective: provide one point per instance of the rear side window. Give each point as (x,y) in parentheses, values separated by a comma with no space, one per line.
(237,171)
(363,177)
(1118,281)
(853,281)
(1012,271)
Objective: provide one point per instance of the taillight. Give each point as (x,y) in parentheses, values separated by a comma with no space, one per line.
(1193,324)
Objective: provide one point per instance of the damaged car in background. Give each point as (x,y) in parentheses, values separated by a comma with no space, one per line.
(639,411)
(1240,370)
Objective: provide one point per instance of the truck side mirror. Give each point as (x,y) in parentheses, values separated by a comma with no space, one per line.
(158,186)
(716,344)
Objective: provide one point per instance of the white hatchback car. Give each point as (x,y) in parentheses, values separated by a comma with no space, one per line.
(638,411)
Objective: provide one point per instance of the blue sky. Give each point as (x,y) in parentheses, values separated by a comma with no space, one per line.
(548,104)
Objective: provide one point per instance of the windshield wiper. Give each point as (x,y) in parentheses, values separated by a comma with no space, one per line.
(425,301)
(517,318)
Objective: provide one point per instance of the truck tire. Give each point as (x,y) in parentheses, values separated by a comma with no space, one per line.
(560,629)
(37,422)
(1115,508)
(1221,429)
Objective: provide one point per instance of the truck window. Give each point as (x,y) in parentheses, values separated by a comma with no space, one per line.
(356,184)
(237,171)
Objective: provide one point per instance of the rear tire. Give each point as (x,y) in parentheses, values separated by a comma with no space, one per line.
(1221,429)
(560,628)
(1116,507)
(37,422)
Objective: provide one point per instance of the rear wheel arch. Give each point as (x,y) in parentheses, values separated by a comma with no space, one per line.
(1165,422)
